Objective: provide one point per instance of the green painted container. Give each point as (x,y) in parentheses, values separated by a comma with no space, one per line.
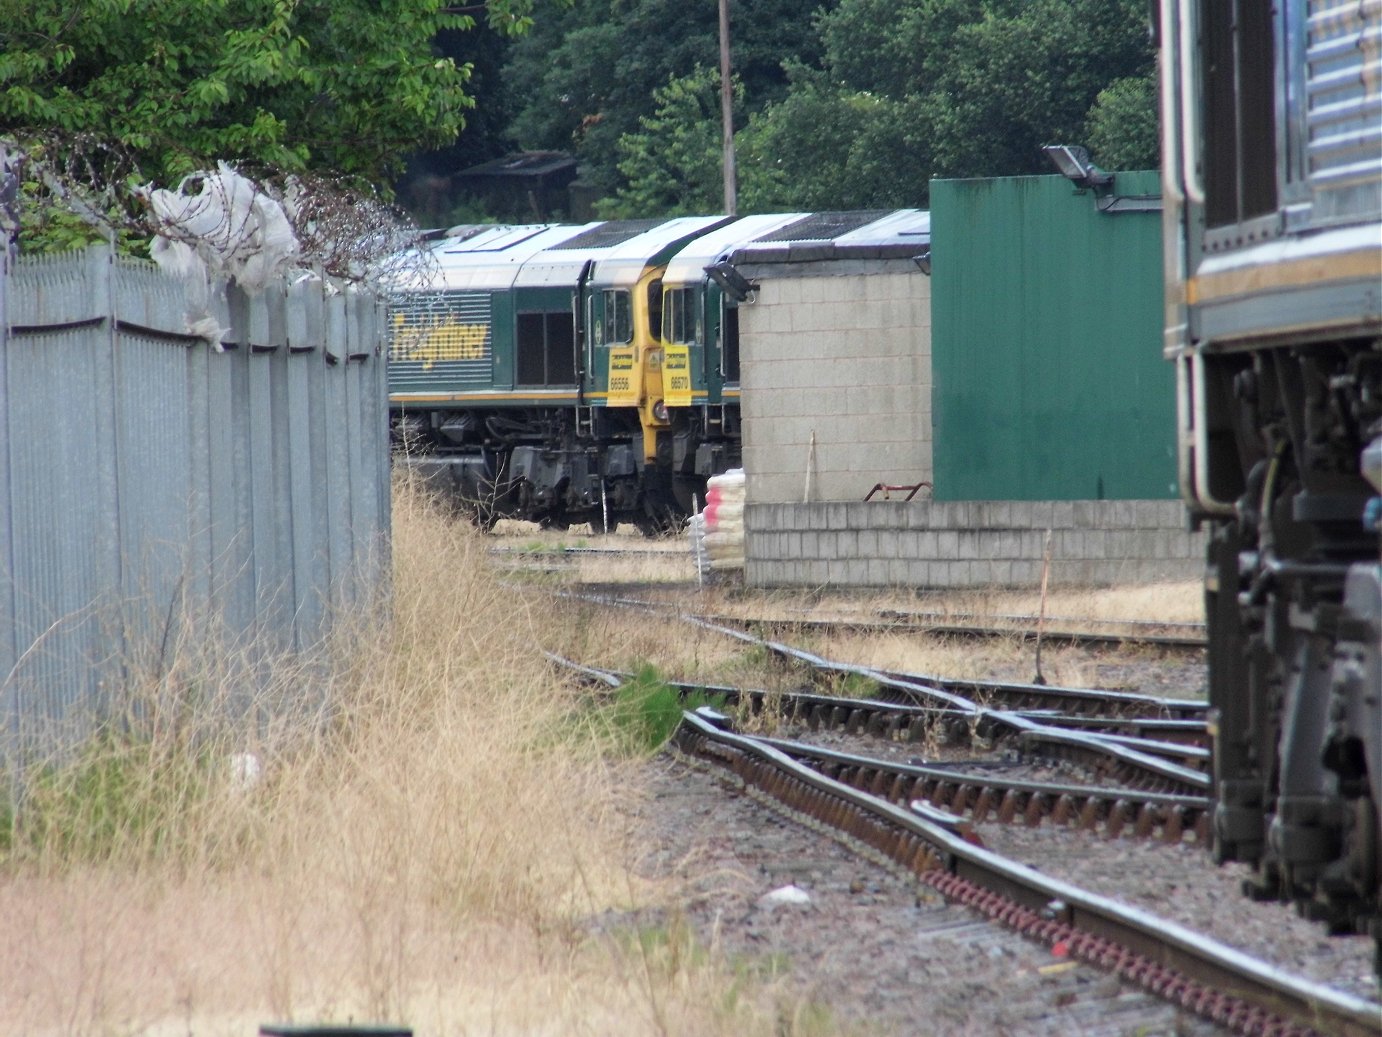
(1049,383)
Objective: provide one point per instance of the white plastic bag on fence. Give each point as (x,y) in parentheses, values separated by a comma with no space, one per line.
(229,224)
(228,227)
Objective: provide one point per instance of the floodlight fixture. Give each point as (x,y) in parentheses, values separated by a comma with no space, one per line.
(731,281)
(1075,165)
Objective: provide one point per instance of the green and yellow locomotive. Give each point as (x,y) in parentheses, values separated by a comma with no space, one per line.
(587,374)
(528,374)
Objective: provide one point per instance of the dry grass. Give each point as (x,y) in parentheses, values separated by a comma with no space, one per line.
(427,850)
(663,572)
(625,556)
(997,658)
(1176,602)
(434,827)
(622,639)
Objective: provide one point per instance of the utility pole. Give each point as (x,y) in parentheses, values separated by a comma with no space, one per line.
(727,112)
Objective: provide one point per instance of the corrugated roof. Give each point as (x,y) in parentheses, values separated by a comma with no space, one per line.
(607,235)
(865,234)
(824,226)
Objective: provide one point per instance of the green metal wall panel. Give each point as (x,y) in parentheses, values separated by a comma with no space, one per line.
(1046,349)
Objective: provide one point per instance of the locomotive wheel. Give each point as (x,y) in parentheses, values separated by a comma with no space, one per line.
(649,527)
(481,512)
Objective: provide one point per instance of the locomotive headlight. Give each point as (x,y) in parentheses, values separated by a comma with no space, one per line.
(660,411)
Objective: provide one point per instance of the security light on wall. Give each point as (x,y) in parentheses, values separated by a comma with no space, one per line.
(1074,164)
(923,262)
(731,281)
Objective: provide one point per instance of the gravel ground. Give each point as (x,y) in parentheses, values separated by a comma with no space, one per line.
(882,954)
(1182,883)
(885,955)
(1166,674)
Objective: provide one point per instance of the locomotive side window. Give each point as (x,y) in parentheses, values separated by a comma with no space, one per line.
(1239,69)
(679,315)
(617,325)
(546,349)
(561,349)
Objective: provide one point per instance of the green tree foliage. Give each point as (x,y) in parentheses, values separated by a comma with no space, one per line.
(582,80)
(1122,129)
(907,90)
(825,148)
(1026,74)
(345,86)
(673,165)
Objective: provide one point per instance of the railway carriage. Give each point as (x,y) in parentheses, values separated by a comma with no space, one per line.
(1272,155)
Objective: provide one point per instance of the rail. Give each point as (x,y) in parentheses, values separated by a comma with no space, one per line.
(1205,976)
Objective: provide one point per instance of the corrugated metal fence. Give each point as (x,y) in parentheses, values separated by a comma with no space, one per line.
(149,481)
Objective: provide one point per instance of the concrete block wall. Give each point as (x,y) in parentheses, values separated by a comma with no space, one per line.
(968,544)
(841,349)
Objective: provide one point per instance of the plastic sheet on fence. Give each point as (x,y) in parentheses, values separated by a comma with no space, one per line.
(214,225)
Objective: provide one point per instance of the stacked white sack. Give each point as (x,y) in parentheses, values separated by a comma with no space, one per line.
(724,520)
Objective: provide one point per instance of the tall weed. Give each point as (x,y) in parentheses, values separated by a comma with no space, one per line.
(412,843)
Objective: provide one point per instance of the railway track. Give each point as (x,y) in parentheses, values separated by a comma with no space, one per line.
(873,948)
(1235,990)
(961,757)
(1157,743)
(1086,632)
(1150,793)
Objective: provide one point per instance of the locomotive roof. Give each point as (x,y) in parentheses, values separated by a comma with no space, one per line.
(488,256)
(620,250)
(494,257)
(871,234)
(688,265)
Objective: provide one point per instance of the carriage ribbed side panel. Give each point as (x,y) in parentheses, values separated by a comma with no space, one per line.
(1344,107)
(440,339)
